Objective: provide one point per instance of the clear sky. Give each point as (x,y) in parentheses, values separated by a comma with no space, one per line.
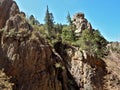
(102,14)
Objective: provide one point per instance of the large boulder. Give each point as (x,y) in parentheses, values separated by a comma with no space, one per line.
(8,8)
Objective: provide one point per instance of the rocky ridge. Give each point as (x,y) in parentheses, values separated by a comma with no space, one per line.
(90,73)
(85,69)
(33,64)
(27,58)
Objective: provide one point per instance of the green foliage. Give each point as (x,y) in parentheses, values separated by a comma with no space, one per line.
(49,22)
(53,30)
(93,42)
(33,21)
(69,20)
(67,34)
(58,28)
(71,27)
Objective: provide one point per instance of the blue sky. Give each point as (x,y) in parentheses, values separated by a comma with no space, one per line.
(103,14)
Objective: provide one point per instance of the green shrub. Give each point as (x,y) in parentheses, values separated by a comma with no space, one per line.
(92,42)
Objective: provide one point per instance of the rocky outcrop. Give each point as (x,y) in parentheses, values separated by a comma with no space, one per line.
(26,57)
(30,61)
(85,69)
(32,64)
(81,23)
(8,8)
(90,73)
(113,66)
(18,22)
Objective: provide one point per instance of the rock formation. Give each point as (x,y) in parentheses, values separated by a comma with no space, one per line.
(81,23)
(91,73)
(17,22)
(32,64)
(7,8)
(27,58)
(85,69)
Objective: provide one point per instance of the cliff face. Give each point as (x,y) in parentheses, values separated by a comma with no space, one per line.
(33,64)
(27,58)
(87,71)
(91,73)
(113,66)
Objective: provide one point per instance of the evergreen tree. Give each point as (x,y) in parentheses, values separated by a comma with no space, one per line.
(58,28)
(33,21)
(49,22)
(71,26)
(69,20)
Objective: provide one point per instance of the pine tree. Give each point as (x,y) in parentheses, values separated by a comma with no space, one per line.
(33,21)
(69,20)
(49,22)
(58,28)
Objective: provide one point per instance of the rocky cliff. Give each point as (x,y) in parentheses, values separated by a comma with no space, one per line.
(27,58)
(90,73)
(28,62)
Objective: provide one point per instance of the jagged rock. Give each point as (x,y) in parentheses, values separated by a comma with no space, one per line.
(17,22)
(8,8)
(14,9)
(30,63)
(34,65)
(91,73)
(112,60)
(81,23)
(30,60)
(87,71)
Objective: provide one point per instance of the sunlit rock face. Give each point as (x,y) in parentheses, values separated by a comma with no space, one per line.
(81,23)
(33,64)
(26,56)
(89,72)
(86,69)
